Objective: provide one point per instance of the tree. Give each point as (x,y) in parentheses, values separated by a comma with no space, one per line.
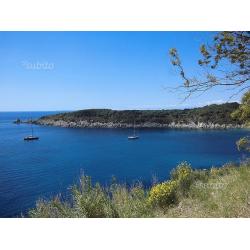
(243,112)
(225,63)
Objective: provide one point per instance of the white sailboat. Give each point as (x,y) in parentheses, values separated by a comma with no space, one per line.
(134,136)
(31,137)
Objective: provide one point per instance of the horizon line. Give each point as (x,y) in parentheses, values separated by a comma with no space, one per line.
(167,108)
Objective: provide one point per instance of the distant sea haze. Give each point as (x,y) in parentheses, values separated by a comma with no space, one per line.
(43,168)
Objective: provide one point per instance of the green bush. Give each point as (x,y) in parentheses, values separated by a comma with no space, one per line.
(220,171)
(184,177)
(219,192)
(94,201)
(163,194)
(91,201)
(87,201)
(51,209)
(130,202)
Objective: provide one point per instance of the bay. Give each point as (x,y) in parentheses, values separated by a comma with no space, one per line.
(30,170)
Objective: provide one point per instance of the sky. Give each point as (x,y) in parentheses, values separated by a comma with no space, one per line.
(43,71)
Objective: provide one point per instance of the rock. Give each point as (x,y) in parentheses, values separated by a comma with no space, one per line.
(87,124)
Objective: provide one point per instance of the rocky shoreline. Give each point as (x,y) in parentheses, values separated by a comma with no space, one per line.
(87,124)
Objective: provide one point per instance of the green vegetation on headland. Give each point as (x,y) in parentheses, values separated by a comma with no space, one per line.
(211,116)
(218,192)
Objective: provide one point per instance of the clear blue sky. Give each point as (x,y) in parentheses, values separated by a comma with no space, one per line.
(117,70)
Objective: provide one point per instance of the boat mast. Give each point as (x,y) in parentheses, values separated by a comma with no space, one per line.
(31,128)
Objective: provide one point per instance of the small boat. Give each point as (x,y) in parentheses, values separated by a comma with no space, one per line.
(134,136)
(31,137)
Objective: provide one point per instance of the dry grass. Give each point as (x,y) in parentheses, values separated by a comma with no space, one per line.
(219,192)
(224,194)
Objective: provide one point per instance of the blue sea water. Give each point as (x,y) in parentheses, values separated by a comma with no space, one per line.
(30,170)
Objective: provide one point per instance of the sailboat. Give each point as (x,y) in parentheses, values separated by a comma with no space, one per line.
(31,137)
(134,136)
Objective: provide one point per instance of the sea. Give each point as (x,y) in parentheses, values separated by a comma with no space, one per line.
(33,170)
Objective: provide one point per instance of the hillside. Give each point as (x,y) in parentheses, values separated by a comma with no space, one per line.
(190,193)
(211,116)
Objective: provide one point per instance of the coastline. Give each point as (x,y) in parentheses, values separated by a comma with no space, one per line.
(87,124)
(208,117)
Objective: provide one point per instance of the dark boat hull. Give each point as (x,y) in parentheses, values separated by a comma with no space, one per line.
(31,138)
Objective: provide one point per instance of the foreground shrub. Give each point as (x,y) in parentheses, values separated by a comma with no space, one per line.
(91,201)
(219,192)
(183,175)
(130,202)
(163,194)
(51,209)
(224,170)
